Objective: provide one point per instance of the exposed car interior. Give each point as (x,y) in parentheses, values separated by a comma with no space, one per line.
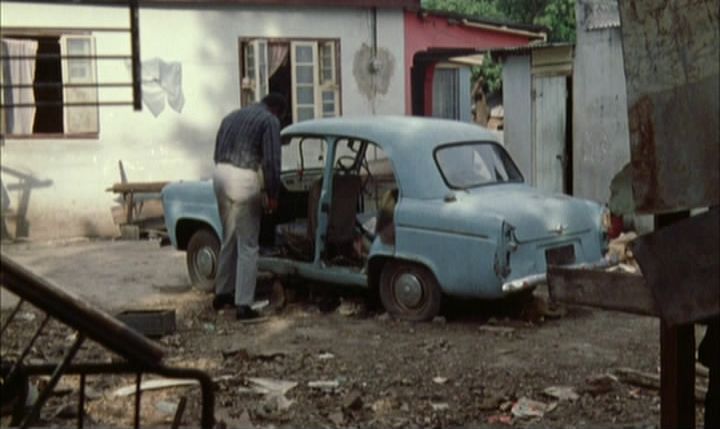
(362,181)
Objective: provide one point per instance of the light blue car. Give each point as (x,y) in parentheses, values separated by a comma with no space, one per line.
(417,209)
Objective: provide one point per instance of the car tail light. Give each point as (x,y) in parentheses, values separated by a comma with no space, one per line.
(616,226)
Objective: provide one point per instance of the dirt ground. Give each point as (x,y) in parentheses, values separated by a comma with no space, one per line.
(345,364)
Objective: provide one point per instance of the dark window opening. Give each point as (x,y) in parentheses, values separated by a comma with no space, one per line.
(49,98)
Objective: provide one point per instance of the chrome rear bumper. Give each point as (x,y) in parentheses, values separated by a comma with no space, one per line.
(529,282)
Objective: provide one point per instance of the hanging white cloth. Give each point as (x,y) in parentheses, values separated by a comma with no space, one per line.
(161,82)
(19,120)
(277,53)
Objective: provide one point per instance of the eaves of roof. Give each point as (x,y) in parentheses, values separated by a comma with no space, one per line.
(408,4)
(499,24)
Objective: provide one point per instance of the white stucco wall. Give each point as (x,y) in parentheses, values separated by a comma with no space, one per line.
(174,146)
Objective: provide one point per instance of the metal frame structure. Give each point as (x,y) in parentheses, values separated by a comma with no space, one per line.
(140,356)
(133,29)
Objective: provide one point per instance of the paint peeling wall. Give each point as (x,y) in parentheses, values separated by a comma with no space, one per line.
(600,126)
(56,187)
(517,103)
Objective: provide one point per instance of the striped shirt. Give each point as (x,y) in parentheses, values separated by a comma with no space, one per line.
(250,138)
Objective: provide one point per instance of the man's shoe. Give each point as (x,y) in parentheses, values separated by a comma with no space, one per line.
(244,312)
(223,300)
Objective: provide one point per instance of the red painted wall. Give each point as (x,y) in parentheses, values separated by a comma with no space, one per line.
(431,31)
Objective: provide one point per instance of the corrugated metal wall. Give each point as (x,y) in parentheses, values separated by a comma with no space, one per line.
(517,104)
(600,126)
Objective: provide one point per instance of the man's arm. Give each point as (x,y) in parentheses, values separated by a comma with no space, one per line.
(272,156)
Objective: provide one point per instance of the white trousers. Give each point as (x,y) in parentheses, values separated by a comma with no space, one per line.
(240,205)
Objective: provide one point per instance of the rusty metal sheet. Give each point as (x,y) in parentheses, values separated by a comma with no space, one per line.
(672,74)
(596,288)
(681,264)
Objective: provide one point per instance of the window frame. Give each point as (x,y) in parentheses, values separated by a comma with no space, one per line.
(38,33)
(469,143)
(319,41)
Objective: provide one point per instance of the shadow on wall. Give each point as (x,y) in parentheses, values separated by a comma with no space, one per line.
(16,210)
(196,140)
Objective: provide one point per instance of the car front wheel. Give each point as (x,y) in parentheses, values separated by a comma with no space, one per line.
(409,291)
(202,259)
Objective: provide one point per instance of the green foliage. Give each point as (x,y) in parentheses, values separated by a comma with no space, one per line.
(480,8)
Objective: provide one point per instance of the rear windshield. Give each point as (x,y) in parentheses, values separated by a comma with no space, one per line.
(467,165)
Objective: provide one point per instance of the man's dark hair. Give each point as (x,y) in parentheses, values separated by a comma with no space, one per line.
(276,103)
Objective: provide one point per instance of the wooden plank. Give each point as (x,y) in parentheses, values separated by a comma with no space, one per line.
(137,187)
(681,264)
(677,376)
(607,290)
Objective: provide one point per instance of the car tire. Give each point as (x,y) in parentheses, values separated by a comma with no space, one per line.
(409,291)
(201,256)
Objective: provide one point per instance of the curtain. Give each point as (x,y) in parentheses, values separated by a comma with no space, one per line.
(445,94)
(277,53)
(19,120)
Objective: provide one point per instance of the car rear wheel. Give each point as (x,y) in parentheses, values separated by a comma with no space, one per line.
(409,291)
(202,259)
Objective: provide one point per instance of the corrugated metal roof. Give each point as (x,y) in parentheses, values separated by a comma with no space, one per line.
(600,14)
(527,49)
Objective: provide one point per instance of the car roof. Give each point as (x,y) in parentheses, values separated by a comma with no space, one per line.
(409,143)
(395,131)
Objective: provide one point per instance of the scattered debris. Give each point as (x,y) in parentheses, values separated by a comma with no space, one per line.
(349,308)
(382,406)
(269,386)
(25,316)
(501,330)
(167,407)
(67,411)
(162,383)
(337,418)
(439,319)
(353,401)
(383,317)
(528,408)
(440,380)
(500,418)
(274,391)
(324,384)
(562,393)
(491,402)
(440,406)
(599,384)
(651,381)
(326,356)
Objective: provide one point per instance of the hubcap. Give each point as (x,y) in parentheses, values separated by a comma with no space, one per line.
(408,290)
(205,262)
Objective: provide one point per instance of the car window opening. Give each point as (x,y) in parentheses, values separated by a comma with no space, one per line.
(361,207)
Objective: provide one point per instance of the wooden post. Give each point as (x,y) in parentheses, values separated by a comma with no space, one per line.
(677,362)
(677,376)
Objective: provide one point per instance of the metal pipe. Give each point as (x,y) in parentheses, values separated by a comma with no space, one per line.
(179,413)
(60,103)
(65,57)
(25,352)
(135,42)
(67,85)
(45,394)
(138,392)
(11,316)
(207,387)
(81,402)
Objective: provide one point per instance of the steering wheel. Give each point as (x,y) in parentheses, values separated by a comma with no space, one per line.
(345,163)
